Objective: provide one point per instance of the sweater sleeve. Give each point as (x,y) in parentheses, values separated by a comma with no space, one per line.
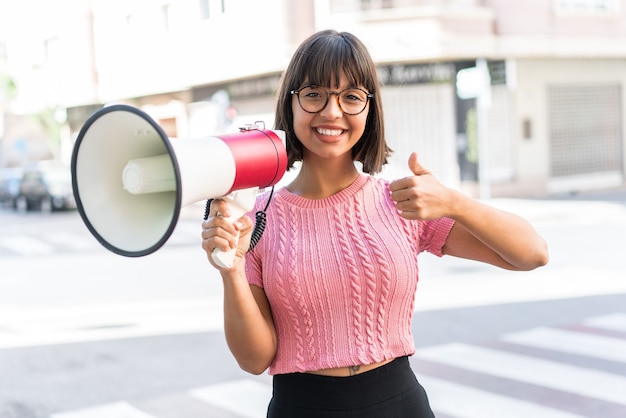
(433,235)
(253,269)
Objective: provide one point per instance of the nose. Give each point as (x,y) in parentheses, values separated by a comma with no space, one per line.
(332,108)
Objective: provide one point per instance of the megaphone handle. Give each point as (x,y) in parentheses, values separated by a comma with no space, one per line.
(240,202)
(225,259)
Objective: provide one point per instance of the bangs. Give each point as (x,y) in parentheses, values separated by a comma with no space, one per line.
(331,57)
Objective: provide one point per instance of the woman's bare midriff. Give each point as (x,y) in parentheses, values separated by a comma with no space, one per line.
(350,370)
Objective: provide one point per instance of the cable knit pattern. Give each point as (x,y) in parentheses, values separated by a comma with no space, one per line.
(379,283)
(369,274)
(340,274)
(281,259)
(355,282)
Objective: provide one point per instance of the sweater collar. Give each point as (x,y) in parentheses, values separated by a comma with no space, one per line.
(339,197)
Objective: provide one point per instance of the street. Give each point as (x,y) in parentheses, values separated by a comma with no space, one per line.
(85,333)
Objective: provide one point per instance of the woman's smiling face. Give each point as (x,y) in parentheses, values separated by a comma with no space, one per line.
(329,133)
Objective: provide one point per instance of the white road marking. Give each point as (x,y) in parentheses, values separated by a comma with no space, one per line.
(577,380)
(466,402)
(571,342)
(31,326)
(245,397)
(613,322)
(26,246)
(117,410)
(71,241)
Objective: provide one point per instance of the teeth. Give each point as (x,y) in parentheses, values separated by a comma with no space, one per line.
(329,132)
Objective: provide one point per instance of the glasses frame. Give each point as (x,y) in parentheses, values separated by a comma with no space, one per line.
(368,97)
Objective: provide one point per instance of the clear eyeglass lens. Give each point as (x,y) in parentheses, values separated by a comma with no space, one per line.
(314,99)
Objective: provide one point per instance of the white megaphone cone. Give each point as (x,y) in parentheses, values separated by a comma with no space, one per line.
(130,180)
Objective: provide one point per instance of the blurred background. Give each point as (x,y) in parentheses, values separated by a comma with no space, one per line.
(521,104)
(521,98)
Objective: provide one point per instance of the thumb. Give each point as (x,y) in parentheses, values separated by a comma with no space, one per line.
(415,166)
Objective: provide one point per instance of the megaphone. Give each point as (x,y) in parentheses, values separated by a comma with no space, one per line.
(130,180)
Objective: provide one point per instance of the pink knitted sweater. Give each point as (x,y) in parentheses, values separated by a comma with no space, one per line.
(340,274)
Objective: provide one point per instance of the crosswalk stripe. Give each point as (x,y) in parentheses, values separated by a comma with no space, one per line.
(36,326)
(244,397)
(116,409)
(465,402)
(585,382)
(60,241)
(71,241)
(27,246)
(571,342)
(48,244)
(613,322)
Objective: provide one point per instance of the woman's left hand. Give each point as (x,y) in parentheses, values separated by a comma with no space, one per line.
(481,232)
(420,196)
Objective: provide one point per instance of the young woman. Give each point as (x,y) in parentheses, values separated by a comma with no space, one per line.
(325,300)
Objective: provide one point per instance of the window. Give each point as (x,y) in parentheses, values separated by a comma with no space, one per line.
(205,11)
(46,52)
(380,4)
(211,8)
(583,7)
(165,15)
(585,129)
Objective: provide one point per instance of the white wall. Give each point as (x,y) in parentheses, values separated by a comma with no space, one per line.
(141,58)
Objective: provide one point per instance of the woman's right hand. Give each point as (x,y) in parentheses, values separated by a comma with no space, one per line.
(219,233)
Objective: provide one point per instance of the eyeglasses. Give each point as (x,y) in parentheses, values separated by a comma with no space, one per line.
(313,99)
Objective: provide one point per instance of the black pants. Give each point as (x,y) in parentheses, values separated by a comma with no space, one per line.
(390,391)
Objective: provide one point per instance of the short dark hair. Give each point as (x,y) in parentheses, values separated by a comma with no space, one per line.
(321,60)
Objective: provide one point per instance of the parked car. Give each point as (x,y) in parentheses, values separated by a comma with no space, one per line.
(46,187)
(9,186)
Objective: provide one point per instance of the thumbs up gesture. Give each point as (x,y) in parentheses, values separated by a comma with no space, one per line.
(420,196)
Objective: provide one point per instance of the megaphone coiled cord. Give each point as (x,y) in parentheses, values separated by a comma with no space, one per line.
(260,220)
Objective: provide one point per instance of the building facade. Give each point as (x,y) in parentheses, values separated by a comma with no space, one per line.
(500,98)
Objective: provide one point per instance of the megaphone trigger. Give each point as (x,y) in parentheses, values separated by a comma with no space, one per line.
(239,202)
